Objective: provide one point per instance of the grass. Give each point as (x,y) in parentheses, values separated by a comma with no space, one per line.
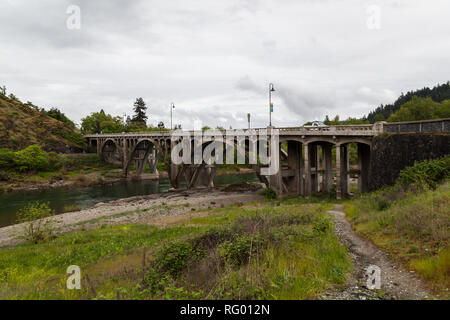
(412,225)
(271,250)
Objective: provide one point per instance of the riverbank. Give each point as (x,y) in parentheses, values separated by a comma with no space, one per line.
(155,208)
(86,176)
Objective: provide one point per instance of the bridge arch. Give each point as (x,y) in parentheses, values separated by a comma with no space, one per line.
(141,149)
(110,151)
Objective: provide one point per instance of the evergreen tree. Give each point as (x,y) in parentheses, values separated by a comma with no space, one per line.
(140,109)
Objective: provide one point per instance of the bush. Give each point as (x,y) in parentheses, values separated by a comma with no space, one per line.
(31,158)
(6,158)
(55,161)
(37,227)
(269,194)
(426,173)
(237,252)
(173,258)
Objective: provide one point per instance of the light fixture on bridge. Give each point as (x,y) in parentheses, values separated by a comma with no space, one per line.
(172,106)
(271,89)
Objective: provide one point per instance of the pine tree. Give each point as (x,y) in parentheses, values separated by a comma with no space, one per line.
(140,109)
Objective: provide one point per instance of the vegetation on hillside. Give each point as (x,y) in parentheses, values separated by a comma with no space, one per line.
(33,166)
(411,220)
(421,109)
(438,93)
(24,124)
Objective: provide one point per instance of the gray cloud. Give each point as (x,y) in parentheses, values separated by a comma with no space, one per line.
(215,59)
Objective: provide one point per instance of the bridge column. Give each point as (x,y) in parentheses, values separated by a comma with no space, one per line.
(210,172)
(341,171)
(364,164)
(99,147)
(313,162)
(327,177)
(294,164)
(153,161)
(276,181)
(307,170)
(338,172)
(124,154)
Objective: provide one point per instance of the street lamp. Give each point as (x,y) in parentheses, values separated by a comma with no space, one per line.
(172,106)
(271,89)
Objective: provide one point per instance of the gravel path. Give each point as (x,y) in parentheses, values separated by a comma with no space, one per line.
(396,282)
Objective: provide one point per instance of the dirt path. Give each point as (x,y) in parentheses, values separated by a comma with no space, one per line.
(396,282)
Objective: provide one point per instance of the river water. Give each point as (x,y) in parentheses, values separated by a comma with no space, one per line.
(83,198)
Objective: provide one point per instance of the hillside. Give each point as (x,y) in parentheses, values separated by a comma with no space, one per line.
(22,125)
(438,93)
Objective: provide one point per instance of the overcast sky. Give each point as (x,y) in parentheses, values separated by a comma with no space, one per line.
(215,59)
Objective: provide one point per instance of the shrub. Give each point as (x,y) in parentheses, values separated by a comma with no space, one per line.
(426,173)
(31,158)
(36,227)
(55,161)
(237,252)
(6,158)
(173,258)
(269,193)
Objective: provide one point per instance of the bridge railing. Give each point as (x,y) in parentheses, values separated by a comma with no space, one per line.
(423,126)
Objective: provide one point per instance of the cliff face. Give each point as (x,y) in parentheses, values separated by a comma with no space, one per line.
(390,154)
(21,126)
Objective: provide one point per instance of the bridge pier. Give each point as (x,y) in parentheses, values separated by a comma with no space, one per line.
(327,164)
(364,165)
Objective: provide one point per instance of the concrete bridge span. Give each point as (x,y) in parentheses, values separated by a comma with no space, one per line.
(311,159)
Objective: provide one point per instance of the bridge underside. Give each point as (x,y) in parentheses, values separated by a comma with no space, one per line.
(308,165)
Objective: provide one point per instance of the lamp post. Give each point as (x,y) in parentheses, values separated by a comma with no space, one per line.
(172,106)
(271,89)
(248,119)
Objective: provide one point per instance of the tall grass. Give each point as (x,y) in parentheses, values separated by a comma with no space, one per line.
(264,251)
(412,224)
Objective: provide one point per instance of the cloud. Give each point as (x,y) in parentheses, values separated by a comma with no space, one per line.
(215,59)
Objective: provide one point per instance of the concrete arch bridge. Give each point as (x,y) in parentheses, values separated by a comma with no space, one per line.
(311,159)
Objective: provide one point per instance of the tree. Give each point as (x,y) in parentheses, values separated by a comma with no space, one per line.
(438,93)
(379,117)
(140,108)
(100,122)
(58,115)
(3,90)
(421,109)
(327,120)
(6,158)
(31,158)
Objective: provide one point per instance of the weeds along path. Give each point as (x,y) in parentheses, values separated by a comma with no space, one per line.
(396,282)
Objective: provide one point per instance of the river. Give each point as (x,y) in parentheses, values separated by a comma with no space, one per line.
(59,198)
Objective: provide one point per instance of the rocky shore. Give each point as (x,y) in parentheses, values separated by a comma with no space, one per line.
(158,209)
